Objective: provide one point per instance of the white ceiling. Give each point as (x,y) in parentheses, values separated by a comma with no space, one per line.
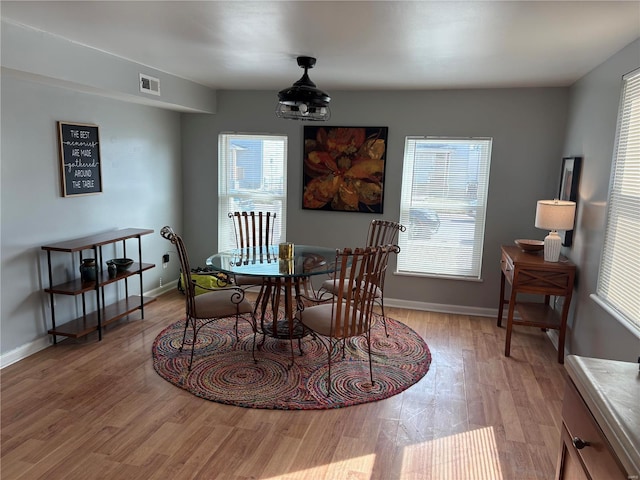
(359,45)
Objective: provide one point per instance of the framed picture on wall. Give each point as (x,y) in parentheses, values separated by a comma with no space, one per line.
(569,179)
(344,168)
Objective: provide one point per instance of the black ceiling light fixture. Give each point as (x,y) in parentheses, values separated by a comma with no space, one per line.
(302,100)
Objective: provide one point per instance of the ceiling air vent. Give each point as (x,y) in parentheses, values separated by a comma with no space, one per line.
(149,84)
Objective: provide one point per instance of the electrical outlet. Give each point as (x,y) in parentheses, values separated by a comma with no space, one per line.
(165,260)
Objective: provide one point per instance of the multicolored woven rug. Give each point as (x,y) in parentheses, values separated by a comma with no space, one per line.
(224,371)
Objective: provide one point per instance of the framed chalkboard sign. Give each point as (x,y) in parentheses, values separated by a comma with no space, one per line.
(80,166)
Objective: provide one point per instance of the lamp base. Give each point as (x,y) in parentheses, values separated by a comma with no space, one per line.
(552,244)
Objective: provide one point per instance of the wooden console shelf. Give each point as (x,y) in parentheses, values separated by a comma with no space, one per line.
(82,326)
(529,273)
(90,322)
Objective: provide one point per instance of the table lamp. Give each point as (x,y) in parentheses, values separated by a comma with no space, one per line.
(554,215)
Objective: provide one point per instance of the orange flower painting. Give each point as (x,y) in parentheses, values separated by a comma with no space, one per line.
(344,168)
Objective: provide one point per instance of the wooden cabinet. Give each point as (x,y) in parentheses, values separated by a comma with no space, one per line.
(103,314)
(529,273)
(600,420)
(586,452)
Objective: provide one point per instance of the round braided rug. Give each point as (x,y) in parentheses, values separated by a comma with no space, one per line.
(224,371)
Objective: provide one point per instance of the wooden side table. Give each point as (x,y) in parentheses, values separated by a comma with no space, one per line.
(528,273)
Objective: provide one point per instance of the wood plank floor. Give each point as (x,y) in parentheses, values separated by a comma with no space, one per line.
(92,410)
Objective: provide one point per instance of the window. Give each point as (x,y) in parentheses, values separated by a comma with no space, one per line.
(443,205)
(252,175)
(619,274)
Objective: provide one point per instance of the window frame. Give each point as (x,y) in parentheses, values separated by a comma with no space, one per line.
(452,177)
(229,198)
(616,291)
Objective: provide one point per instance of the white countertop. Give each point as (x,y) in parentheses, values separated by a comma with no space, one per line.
(611,390)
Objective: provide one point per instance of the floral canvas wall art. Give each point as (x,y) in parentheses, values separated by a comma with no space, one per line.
(344,168)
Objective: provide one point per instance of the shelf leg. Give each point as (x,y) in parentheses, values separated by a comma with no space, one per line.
(140,275)
(98,302)
(51,300)
(512,305)
(501,306)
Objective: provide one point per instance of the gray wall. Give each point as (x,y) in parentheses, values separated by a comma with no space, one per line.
(45,79)
(591,133)
(140,152)
(527,126)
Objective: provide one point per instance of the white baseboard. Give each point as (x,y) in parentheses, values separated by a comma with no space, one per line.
(43,342)
(156,292)
(555,338)
(442,308)
(463,310)
(24,351)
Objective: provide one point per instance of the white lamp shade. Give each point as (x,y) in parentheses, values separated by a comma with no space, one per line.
(555,214)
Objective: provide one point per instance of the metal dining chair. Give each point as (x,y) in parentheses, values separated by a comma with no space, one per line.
(381,232)
(350,311)
(206,308)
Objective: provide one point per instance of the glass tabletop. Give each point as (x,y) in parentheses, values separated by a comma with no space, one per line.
(264,261)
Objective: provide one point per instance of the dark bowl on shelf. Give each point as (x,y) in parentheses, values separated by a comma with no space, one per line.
(121,264)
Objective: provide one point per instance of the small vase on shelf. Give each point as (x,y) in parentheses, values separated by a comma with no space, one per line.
(113,270)
(88,270)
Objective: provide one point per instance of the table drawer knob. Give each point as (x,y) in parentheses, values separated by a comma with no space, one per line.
(579,443)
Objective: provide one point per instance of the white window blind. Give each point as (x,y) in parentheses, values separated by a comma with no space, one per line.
(619,276)
(252,176)
(443,205)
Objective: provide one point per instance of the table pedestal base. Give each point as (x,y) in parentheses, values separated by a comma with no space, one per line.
(282,324)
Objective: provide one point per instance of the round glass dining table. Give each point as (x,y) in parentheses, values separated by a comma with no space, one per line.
(282,281)
(264,262)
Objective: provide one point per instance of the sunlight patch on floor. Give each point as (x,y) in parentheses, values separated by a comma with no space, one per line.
(353,468)
(472,454)
(466,455)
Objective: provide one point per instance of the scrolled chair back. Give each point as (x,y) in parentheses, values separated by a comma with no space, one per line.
(356,288)
(253,229)
(167,233)
(254,233)
(384,232)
